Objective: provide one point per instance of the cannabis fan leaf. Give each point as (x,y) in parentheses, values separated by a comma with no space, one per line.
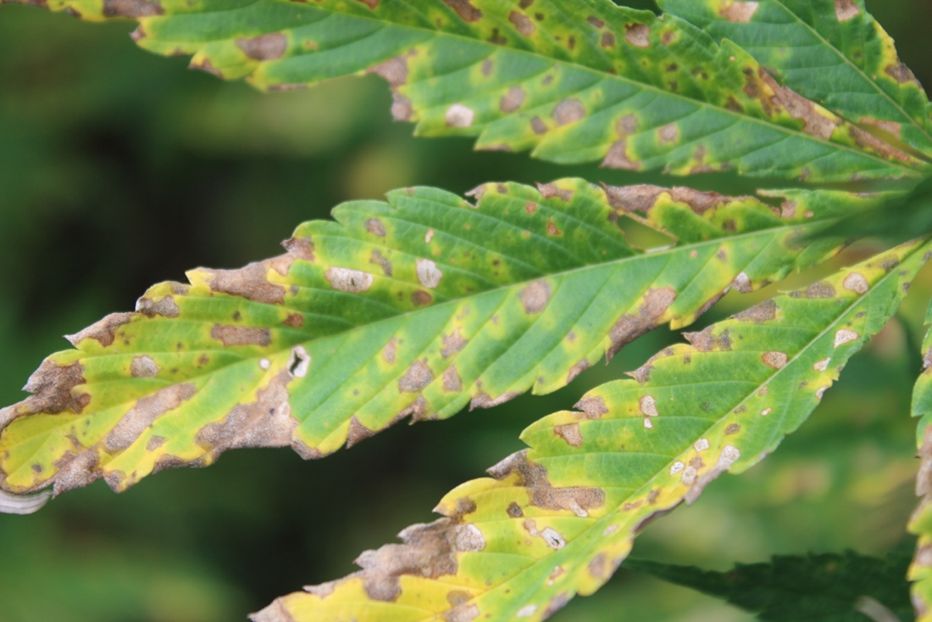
(426,303)
(414,307)
(574,81)
(557,519)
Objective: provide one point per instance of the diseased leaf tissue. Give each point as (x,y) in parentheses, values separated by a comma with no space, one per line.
(427,303)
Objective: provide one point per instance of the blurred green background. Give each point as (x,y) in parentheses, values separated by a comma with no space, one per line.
(119,169)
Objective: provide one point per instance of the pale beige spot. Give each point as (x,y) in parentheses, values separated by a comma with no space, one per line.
(766,412)
(428,273)
(822,365)
(459,115)
(739,12)
(702,444)
(648,406)
(846,10)
(677,467)
(856,283)
(777,360)
(349,280)
(553,538)
(844,336)
(637,35)
(144,367)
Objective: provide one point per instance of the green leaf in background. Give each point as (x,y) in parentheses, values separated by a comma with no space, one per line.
(896,218)
(412,308)
(828,587)
(921,522)
(574,81)
(556,520)
(831,51)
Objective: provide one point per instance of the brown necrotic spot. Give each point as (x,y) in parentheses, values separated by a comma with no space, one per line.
(739,12)
(569,111)
(535,296)
(240,335)
(357,432)
(375,227)
(418,376)
(846,10)
(266,422)
(465,9)
(349,280)
(574,371)
(144,414)
(132,8)
(294,320)
(252,281)
(420,298)
(570,433)
(533,476)
(669,133)
(522,23)
(165,306)
(264,47)
(54,390)
(512,99)
(901,73)
(484,400)
(593,406)
(453,343)
(776,360)
(390,350)
(428,551)
(707,340)
(821,289)
(763,312)
(144,367)
(428,273)
(637,35)
(103,331)
(629,326)
(382,261)
(451,380)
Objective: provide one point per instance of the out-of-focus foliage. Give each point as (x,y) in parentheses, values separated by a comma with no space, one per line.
(921,522)
(825,587)
(141,164)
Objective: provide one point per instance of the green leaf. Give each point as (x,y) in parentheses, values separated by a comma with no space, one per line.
(555,520)
(895,218)
(415,307)
(832,51)
(921,522)
(828,587)
(573,81)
